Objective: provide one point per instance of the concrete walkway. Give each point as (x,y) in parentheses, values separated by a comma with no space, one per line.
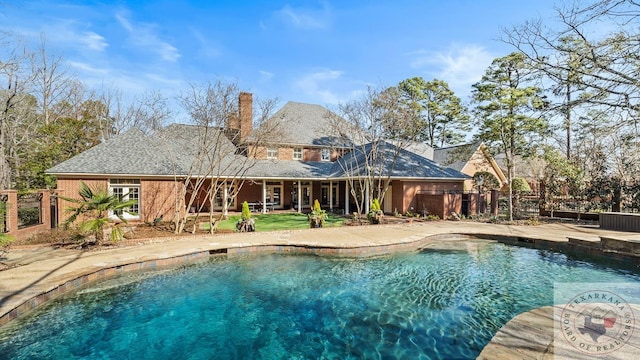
(37,271)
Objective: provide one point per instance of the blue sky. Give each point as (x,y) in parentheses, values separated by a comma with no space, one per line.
(321,52)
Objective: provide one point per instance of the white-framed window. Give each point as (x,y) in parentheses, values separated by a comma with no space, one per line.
(297,153)
(274,194)
(325,154)
(306,194)
(324,194)
(219,200)
(127,189)
(272,153)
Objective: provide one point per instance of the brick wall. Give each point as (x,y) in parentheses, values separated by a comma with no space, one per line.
(158,198)
(69,188)
(12,220)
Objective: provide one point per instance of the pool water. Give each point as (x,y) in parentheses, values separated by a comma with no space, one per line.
(436,304)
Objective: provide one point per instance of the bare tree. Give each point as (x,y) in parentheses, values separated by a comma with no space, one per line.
(602,66)
(371,131)
(598,72)
(147,112)
(16,106)
(218,157)
(51,83)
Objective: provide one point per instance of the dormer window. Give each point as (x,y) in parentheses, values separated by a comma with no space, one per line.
(272,153)
(297,154)
(325,154)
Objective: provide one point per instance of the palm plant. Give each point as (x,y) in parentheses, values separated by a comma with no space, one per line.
(96,205)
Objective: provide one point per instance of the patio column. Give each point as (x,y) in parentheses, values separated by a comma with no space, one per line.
(225,199)
(264,196)
(331,195)
(346,197)
(367,201)
(299,196)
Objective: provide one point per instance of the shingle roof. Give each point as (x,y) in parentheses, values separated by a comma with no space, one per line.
(455,157)
(177,151)
(129,153)
(420,148)
(291,169)
(172,151)
(305,125)
(408,164)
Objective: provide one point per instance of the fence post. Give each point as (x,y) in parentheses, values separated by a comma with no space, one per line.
(45,208)
(12,211)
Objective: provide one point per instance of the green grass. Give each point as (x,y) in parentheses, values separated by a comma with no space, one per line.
(273,222)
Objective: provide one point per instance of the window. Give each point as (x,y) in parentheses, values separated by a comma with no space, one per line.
(297,154)
(125,190)
(272,153)
(219,200)
(325,196)
(325,155)
(274,194)
(305,194)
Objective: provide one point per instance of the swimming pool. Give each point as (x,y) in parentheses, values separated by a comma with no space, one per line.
(438,303)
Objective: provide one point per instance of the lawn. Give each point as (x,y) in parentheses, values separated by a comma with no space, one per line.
(286,221)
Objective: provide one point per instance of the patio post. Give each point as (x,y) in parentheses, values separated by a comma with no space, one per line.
(346,197)
(367,201)
(331,195)
(299,196)
(264,196)
(225,199)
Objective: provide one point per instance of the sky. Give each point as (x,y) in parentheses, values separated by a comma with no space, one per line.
(320,52)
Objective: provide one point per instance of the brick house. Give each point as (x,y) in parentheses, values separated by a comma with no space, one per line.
(285,169)
(470,159)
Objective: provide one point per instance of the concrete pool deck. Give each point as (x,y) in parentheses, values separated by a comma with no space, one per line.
(39,274)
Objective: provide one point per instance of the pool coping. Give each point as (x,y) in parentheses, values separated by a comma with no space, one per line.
(285,242)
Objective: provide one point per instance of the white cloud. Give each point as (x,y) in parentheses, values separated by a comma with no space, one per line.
(265,75)
(94,41)
(143,35)
(306,18)
(460,65)
(87,68)
(64,34)
(163,81)
(314,84)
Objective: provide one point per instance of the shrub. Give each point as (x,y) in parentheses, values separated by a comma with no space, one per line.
(317,216)
(29,216)
(96,203)
(246,213)
(375,213)
(5,241)
(246,223)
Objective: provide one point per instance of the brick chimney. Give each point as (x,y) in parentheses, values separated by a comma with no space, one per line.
(245,115)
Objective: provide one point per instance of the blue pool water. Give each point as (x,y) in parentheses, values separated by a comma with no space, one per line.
(429,305)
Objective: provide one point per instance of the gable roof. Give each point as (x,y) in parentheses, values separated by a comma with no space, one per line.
(421,149)
(132,150)
(408,164)
(301,124)
(171,151)
(455,157)
(176,150)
